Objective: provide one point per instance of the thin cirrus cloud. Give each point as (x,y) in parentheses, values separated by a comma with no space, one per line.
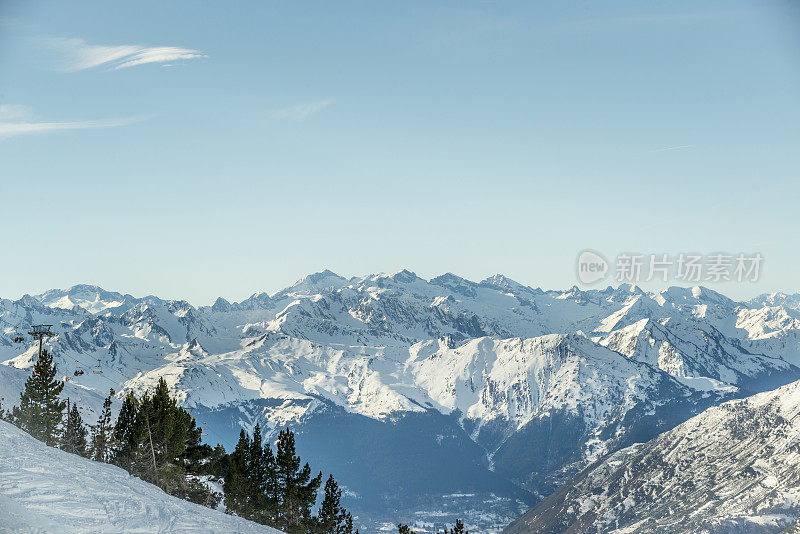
(20,120)
(301,112)
(78,55)
(671,148)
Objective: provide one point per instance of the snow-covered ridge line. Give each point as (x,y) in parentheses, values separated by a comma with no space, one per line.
(733,468)
(509,369)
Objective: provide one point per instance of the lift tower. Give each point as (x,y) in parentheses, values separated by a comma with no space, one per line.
(40,331)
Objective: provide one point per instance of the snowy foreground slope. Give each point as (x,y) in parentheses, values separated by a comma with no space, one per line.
(734,468)
(427,399)
(43,489)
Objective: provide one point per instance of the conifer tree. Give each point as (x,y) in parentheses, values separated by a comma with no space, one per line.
(457,529)
(128,435)
(102,433)
(261,475)
(256,468)
(331,517)
(74,436)
(158,441)
(40,409)
(298,489)
(272,491)
(237,484)
(404,529)
(169,435)
(218,462)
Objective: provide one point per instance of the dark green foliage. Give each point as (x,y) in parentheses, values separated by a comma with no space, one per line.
(250,483)
(237,480)
(101,433)
(217,463)
(297,489)
(127,434)
(457,529)
(331,517)
(278,489)
(73,438)
(160,442)
(403,529)
(155,439)
(261,472)
(40,409)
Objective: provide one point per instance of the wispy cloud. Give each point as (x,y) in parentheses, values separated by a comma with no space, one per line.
(301,112)
(78,55)
(20,120)
(670,148)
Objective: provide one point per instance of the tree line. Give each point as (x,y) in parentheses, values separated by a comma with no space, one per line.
(457,529)
(160,442)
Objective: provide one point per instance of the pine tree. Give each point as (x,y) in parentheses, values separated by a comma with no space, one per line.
(158,441)
(128,435)
(256,468)
(457,529)
(218,462)
(261,475)
(40,409)
(272,491)
(197,457)
(331,517)
(168,432)
(404,529)
(102,438)
(237,484)
(74,436)
(298,489)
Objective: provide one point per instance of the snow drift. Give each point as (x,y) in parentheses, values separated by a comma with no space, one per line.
(43,489)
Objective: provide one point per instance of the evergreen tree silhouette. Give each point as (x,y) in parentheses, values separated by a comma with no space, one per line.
(40,409)
(298,490)
(331,517)
(74,436)
(101,433)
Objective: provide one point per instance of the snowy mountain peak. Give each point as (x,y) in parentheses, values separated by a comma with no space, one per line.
(776,299)
(91,298)
(405,276)
(456,284)
(508,369)
(315,283)
(504,283)
(221,305)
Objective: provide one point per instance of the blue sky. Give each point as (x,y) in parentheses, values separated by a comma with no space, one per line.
(195,149)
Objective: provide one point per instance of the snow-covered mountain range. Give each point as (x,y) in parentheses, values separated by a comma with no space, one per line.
(441,397)
(733,468)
